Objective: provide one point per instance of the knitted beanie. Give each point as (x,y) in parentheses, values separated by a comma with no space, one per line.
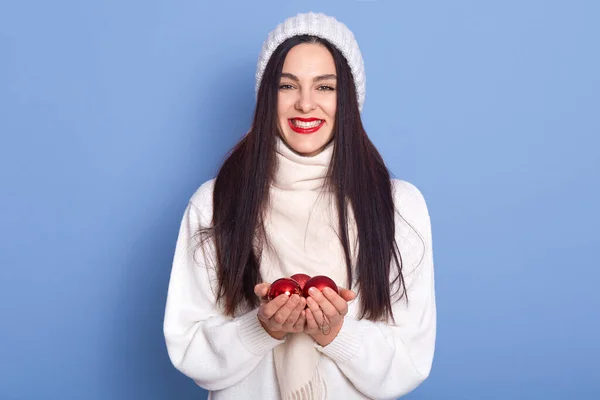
(325,27)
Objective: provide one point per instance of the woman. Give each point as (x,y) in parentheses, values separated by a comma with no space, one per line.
(305,191)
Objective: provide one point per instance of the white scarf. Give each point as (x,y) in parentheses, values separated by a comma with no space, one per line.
(301,227)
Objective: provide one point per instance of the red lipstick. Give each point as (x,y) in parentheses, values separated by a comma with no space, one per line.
(305,131)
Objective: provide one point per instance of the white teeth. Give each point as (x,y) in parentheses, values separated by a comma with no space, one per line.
(306,125)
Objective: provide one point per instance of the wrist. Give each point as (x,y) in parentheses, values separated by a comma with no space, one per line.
(323,340)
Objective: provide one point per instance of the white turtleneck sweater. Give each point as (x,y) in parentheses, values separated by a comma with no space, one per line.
(233,357)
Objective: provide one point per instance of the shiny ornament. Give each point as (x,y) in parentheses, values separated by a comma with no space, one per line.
(320,282)
(284,286)
(301,279)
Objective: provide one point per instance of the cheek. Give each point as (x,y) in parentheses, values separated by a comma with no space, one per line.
(330,107)
(284,103)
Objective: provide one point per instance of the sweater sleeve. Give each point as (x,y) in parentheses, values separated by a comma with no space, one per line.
(388,360)
(214,350)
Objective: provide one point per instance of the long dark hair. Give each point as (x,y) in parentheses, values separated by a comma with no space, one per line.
(357,176)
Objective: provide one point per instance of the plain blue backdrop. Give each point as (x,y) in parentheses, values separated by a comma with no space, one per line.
(112,113)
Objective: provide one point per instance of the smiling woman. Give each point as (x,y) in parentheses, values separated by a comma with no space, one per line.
(305,191)
(307,98)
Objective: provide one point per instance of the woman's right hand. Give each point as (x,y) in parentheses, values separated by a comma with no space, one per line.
(283,314)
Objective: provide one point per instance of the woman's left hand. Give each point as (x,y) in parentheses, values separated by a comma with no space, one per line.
(325,313)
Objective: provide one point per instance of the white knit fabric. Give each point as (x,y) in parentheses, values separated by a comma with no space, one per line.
(300,228)
(235,358)
(325,27)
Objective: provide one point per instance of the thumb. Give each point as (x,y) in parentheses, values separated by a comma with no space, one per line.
(261,289)
(347,294)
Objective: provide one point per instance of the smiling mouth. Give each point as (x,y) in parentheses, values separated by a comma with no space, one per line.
(305,126)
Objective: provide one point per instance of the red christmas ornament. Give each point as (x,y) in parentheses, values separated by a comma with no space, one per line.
(301,279)
(320,282)
(284,286)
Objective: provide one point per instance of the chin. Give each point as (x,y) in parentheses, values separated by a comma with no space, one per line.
(306,146)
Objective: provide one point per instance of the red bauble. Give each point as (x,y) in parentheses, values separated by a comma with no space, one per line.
(320,282)
(301,279)
(284,286)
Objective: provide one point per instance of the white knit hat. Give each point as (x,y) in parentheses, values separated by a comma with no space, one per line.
(325,27)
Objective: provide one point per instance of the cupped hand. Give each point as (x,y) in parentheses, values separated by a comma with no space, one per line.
(282,315)
(326,312)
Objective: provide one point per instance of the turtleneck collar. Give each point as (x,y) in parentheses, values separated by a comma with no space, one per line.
(298,172)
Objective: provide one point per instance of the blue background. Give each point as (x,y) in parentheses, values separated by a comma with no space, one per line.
(112,113)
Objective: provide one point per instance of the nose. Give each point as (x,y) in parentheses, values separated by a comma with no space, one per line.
(305,101)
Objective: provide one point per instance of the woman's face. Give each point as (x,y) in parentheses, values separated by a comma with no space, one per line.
(307,98)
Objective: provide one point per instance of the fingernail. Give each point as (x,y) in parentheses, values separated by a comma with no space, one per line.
(295,299)
(327,290)
(313,290)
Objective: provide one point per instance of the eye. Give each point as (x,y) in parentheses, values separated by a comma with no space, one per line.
(285,86)
(326,88)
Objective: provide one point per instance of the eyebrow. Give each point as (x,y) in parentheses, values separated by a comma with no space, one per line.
(316,79)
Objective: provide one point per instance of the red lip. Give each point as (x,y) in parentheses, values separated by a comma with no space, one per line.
(304,131)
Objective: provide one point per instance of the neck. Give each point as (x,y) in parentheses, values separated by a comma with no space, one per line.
(297,172)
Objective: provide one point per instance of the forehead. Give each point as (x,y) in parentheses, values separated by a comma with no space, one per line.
(309,59)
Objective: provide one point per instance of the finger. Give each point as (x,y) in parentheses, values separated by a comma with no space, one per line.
(295,314)
(315,311)
(324,302)
(311,323)
(300,323)
(261,289)
(340,304)
(267,310)
(281,315)
(347,295)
